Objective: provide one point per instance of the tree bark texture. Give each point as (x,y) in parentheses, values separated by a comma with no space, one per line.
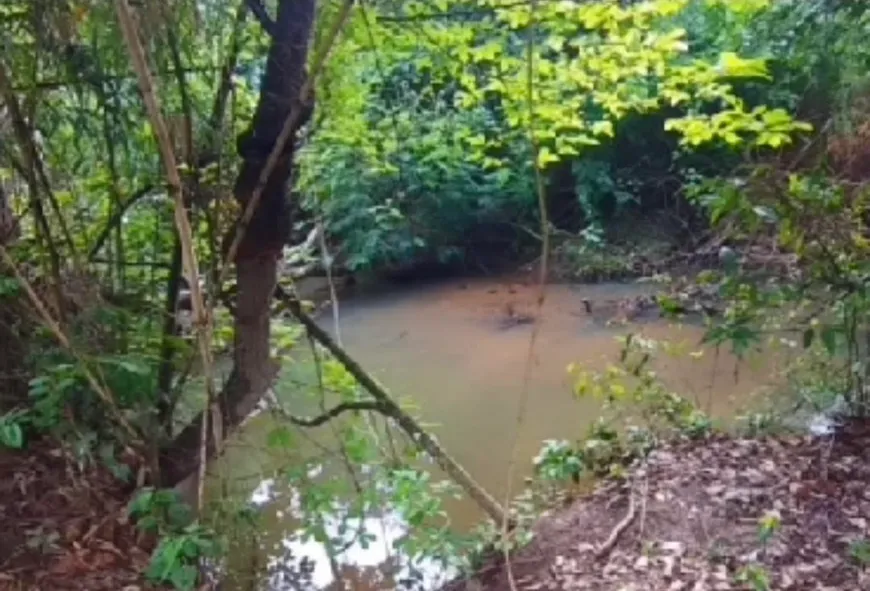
(262,243)
(269,229)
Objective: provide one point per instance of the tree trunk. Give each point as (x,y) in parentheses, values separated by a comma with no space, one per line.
(564,210)
(15,324)
(261,246)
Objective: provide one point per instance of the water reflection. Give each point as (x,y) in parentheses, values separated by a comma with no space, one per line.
(364,555)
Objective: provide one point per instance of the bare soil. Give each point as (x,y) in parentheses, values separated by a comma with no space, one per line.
(63,527)
(689,518)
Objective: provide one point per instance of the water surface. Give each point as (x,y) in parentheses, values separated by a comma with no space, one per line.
(452,349)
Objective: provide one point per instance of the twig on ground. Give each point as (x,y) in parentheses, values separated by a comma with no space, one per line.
(620,527)
(643,498)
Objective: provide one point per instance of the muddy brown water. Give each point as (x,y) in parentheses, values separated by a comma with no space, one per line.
(450,348)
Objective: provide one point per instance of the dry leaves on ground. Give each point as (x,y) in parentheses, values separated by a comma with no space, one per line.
(65,528)
(698,521)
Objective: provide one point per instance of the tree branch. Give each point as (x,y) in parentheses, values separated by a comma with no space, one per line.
(185,233)
(62,83)
(390,408)
(116,219)
(226,73)
(620,527)
(263,17)
(335,411)
(43,230)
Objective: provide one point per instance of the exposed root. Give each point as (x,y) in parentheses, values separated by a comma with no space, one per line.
(618,530)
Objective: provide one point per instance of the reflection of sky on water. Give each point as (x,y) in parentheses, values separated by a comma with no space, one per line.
(263,493)
(354,556)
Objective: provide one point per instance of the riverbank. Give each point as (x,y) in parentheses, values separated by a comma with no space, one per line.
(790,512)
(65,526)
(632,247)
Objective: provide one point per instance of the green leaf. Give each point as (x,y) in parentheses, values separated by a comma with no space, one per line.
(556,42)
(11,435)
(603,128)
(183,577)
(545,157)
(732,65)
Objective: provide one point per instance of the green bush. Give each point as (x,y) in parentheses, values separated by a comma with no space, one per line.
(406,191)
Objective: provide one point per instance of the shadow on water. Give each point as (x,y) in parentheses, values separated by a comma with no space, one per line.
(447,346)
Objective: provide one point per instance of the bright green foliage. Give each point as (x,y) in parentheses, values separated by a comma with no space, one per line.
(638,411)
(388,168)
(586,66)
(426,151)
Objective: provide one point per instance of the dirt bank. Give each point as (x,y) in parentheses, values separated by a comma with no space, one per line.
(781,513)
(64,527)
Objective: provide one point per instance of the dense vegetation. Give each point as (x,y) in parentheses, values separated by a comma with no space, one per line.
(468,134)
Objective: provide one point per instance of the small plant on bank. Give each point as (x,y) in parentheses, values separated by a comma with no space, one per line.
(758,424)
(176,560)
(768,525)
(638,412)
(859,552)
(558,461)
(633,387)
(12,429)
(183,543)
(755,576)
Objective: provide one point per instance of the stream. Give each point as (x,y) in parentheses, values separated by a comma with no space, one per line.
(452,349)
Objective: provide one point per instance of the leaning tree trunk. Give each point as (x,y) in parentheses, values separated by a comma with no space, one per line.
(263,240)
